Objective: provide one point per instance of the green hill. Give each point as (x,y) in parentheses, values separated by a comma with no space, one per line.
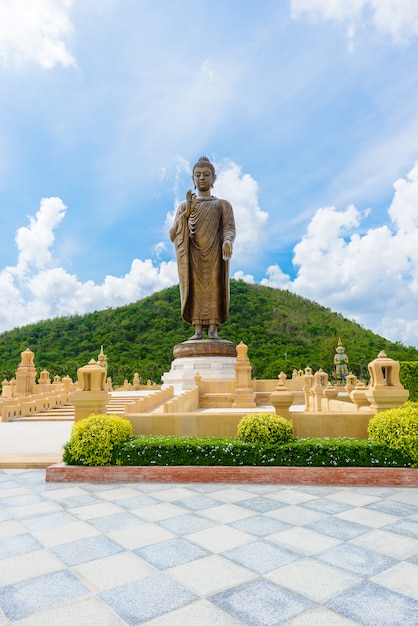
(282,330)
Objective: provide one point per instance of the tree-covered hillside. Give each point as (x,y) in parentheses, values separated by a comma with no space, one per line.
(282,330)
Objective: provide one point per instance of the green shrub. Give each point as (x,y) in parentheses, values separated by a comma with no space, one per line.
(170,451)
(93,439)
(408,376)
(265,428)
(398,429)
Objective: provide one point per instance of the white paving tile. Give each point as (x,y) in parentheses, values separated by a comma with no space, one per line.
(220,538)
(226,513)
(291,496)
(138,536)
(210,575)
(230,494)
(11,528)
(354,498)
(91,612)
(402,578)
(367,517)
(314,580)
(91,511)
(30,510)
(113,571)
(64,493)
(407,496)
(117,493)
(391,544)
(200,613)
(296,515)
(64,534)
(159,512)
(175,493)
(320,616)
(303,541)
(17,568)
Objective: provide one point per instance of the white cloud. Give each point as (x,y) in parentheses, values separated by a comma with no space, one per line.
(37,289)
(242,192)
(396,18)
(35,31)
(373,277)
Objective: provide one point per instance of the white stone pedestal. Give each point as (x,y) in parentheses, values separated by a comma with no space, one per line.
(212,360)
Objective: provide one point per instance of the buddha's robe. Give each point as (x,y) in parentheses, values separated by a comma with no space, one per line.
(203,274)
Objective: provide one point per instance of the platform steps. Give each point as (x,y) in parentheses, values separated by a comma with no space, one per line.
(65,413)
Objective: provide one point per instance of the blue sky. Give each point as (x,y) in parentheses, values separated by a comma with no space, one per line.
(308,108)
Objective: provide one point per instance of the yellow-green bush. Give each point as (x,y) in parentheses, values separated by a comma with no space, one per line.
(93,439)
(265,428)
(398,429)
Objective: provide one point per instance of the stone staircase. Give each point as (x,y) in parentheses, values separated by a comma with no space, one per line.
(116,406)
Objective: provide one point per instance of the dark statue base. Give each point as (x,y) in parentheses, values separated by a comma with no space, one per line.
(205,347)
(212,359)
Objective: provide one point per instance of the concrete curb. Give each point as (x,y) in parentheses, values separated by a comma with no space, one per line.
(360,476)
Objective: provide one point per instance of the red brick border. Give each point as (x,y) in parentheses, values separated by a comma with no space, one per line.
(362,476)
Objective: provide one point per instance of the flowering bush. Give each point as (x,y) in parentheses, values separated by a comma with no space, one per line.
(398,429)
(93,439)
(265,428)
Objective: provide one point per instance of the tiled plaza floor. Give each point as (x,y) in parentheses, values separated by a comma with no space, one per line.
(201,554)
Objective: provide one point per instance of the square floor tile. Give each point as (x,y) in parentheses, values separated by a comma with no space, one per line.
(94,510)
(11,528)
(210,575)
(89,612)
(113,571)
(261,603)
(405,527)
(261,504)
(186,524)
(226,513)
(28,498)
(229,494)
(321,616)
(64,534)
(49,520)
(400,509)
(30,510)
(28,565)
(175,493)
(260,525)
(116,521)
(38,594)
(157,512)
(408,495)
(137,536)
(137,501)
(199,613)
(296,515)
(353,498)
(220,538)
(142,600)
(402,578)
(291,496)
(114,494)
(314,580)
(380,540)
(367,517)
(371,605)
(356,560)
(325,505)
(19,544)
(196,503)
(261,556)
(171,553)
(84,550)
(303,540)
(338,528)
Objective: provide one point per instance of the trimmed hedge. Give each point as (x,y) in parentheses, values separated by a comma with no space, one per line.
(408,375)
(93,439)
(264,429)
(398,429)
(169,451)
